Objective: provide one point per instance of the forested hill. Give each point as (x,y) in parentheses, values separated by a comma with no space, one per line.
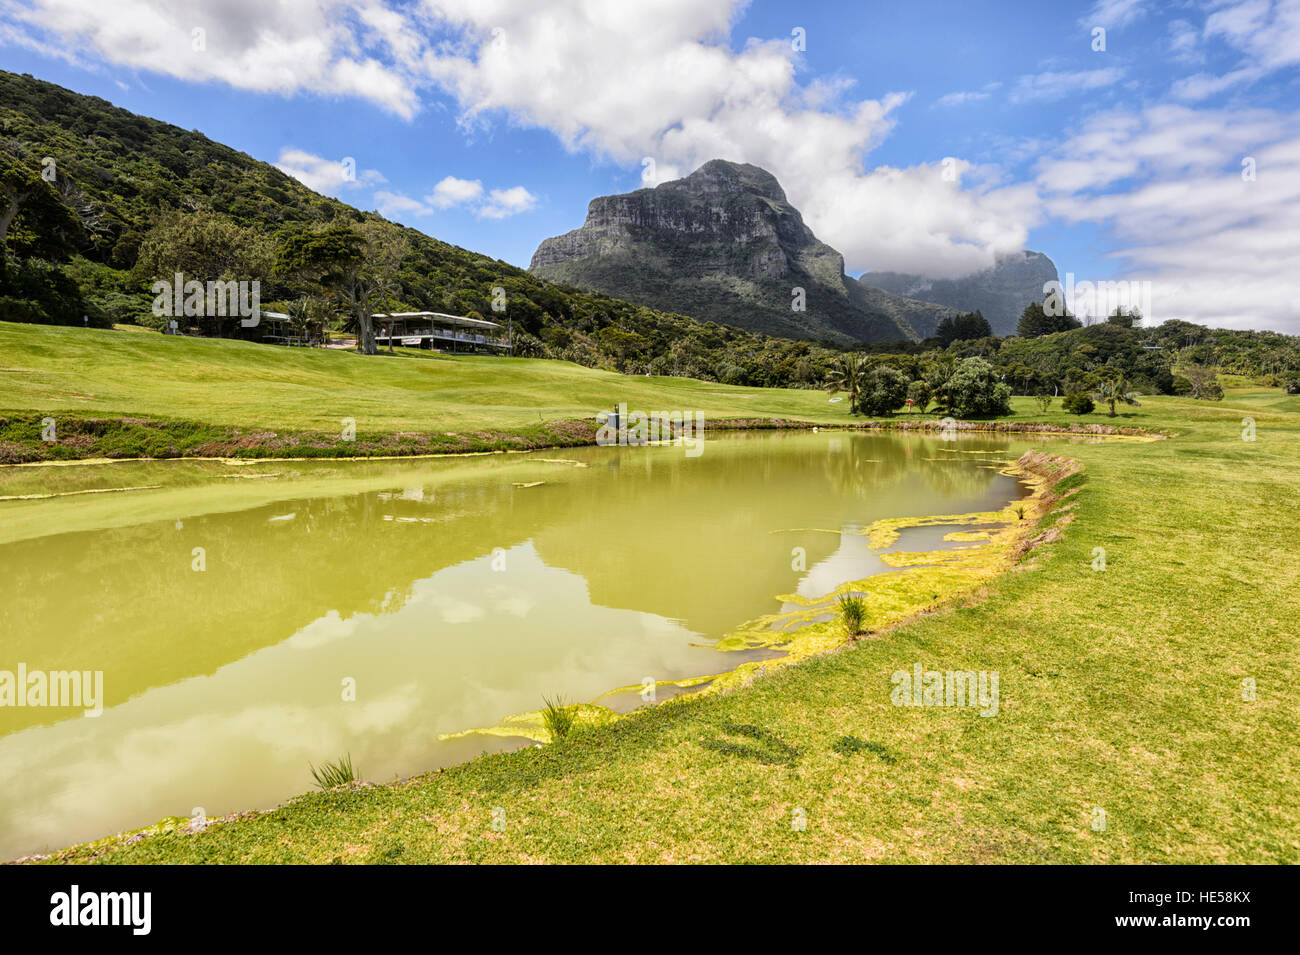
(133,185)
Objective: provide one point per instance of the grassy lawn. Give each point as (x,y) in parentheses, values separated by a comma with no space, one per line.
(77,371)
(1121,689)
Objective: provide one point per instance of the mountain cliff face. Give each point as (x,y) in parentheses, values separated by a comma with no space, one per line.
(1001,292)
(722,245)
(922,317)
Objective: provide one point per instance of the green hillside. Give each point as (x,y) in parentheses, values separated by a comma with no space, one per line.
(124,177)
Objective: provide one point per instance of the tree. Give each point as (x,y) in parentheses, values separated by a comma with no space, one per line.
(1036,320)
(884,390)
(204,247)
(359,266)
(31,209)
(1077,403)
(938,377)
(1204,381)
(965,327)
(919,394)
(846,373)
(1115,389)
(1124,317)
(305,314)
(620,343)
(946,331)
(974,391)
(972,325)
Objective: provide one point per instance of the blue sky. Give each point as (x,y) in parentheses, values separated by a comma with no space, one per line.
(924,137)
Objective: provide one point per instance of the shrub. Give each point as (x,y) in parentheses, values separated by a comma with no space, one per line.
(1077,404)
(558,718)
(919,392)
(884,390)
(730,374)
(975,391)
(1291,384)
(853,614)
(330,775)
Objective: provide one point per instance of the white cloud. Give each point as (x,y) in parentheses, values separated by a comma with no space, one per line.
(283,47)
(333,176)
(393,205)
(1054,85)
(1265,32)
(1217,247)
(496,204)
(1201,86)
(452,191)
(507,202)
(963,97)
(1184,42)
(329,176)
(1113,13)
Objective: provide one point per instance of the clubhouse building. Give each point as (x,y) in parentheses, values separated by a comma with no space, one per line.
(431,330)
(438,330)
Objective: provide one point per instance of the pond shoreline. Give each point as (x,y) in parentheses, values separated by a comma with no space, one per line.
(96,440)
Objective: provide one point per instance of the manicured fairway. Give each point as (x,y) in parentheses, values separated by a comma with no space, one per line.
(88,371)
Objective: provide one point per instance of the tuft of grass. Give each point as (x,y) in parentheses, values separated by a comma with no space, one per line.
(1020,512)
(329,775)
(558,717)
(853,614)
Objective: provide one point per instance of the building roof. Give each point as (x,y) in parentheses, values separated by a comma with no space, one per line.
(442,316)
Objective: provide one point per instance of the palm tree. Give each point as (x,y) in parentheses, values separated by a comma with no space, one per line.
(939,376)
(1115,389)
(303,313)
(847,373)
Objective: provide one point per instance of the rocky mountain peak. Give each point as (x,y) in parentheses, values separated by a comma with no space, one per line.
(720,176)
(722,244)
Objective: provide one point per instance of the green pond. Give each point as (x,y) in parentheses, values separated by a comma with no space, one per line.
(234,609)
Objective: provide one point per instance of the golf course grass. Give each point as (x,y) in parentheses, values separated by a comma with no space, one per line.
(1148,711)
(239,384)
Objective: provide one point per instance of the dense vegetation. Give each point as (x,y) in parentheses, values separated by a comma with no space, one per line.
(96,203)
(1174,358)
